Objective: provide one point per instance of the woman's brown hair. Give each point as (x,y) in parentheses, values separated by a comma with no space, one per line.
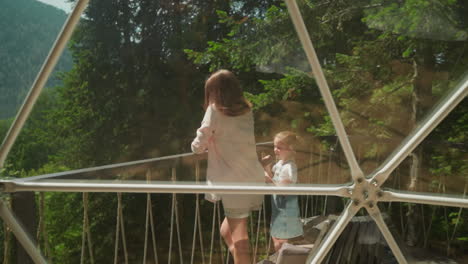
(223,89)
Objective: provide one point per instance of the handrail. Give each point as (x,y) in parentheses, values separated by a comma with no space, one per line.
(94,180)
(135,167)
(340,190)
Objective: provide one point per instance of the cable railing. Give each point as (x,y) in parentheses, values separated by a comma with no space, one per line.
(132,177)
(173,175)
(182,175)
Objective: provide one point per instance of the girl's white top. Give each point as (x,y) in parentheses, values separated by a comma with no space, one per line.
(284,170)
(232,155)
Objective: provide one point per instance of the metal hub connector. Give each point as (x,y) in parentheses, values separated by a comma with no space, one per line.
(365,193)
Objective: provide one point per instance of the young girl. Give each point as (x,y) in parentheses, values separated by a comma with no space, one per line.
(285,220)
(227,133)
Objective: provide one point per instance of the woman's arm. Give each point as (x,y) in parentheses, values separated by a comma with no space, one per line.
(268,174)
(268,178)
(266,163)
(204,133)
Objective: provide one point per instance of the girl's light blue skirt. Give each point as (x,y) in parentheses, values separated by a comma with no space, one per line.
(285,220)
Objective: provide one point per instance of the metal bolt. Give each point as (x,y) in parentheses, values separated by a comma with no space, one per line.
(380,193)
(356,202)
(365,193)
(360,180)
(371,205)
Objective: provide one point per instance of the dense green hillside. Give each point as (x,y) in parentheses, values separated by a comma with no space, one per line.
(29,28)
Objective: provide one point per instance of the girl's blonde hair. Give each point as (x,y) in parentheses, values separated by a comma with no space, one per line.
(289,138)
(223,89)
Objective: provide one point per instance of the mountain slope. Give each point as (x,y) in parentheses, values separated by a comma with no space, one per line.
(28,30)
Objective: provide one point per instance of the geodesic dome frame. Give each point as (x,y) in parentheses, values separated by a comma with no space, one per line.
(365,191)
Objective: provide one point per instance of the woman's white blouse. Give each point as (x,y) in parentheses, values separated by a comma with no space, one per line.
(232,155)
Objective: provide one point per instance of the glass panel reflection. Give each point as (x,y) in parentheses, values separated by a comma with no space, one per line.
(117,105)
(313,168)
(438,165)
(387,64)
(426,232)
(136,90)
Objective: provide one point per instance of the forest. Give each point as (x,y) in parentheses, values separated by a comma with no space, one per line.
(135,91)
(29,28)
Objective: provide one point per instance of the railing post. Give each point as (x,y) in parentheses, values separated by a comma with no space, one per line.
(24,207)
(22,236)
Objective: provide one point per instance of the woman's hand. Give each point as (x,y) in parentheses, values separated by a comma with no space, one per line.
(267,161)
(268,179)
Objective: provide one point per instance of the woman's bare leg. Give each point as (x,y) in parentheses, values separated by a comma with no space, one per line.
(226,234)
(278,242)
(234,232)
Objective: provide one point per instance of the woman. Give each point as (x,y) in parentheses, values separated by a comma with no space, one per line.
(227,133)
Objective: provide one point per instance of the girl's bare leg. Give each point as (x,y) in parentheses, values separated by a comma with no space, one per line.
(234,232)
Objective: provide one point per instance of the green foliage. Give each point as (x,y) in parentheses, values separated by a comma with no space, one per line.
(63,216)
(289,87)
(253,43)
(4,126)
(137,84)
(9,172)
(449,158)
(29,29)
(410,18)
(323,129)
(35,143)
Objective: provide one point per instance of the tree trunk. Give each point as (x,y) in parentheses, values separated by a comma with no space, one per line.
(421,102)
